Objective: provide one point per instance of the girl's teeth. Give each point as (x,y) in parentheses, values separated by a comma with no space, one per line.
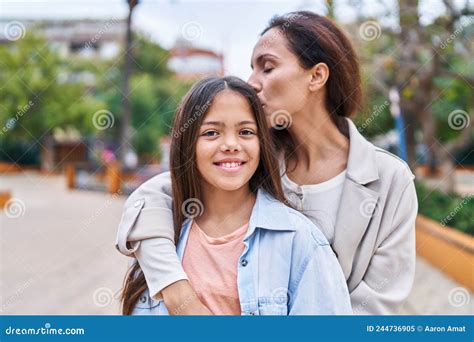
(231,165)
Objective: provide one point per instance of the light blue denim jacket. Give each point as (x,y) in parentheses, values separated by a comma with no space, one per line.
(287,267)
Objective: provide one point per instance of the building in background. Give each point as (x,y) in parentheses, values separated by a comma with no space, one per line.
(190,62)
(70,38)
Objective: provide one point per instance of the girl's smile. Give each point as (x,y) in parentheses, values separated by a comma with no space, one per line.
(228,149)
(230,164)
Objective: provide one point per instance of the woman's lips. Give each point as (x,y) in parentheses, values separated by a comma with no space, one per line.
(231,167)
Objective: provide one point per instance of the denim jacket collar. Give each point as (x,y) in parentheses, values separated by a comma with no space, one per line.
(264,204)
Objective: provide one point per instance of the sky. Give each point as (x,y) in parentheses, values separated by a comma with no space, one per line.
(229,27)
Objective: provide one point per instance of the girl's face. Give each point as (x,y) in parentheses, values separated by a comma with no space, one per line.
(228,148)
(277,77)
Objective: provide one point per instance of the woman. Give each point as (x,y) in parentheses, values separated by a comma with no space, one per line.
(362,197)
(223,165)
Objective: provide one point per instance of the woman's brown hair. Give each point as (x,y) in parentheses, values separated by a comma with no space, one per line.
(316,39)
(185,178)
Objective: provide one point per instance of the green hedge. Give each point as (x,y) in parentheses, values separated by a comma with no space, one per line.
(450,210)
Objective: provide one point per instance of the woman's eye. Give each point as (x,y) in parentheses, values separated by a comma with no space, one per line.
(267,68)
(247,132)
(210,134)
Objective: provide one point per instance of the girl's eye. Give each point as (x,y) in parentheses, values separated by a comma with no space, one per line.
(247,132)
(209,134)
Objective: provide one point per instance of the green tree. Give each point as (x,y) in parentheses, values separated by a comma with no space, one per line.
(36,95)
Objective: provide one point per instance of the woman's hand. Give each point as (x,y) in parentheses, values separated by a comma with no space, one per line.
(181,299)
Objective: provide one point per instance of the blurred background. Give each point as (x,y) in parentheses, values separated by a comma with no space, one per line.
(88,91)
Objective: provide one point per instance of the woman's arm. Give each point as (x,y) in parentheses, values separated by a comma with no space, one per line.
(146,232)
(390,274)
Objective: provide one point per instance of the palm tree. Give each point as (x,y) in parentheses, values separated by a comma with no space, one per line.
(127,71)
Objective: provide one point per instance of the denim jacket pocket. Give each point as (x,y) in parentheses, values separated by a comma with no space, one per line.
(272,306)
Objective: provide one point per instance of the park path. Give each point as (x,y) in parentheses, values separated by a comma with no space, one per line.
(58,257)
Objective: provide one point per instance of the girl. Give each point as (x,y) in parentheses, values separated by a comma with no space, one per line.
(306,72)
(243,250)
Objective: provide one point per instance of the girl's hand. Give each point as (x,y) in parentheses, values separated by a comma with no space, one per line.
(181,299)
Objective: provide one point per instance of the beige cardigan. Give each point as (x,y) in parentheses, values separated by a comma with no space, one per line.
(374,235)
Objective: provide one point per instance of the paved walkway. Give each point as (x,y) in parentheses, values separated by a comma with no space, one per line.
(58,257)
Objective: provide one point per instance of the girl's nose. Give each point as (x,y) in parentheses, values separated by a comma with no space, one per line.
(230,145)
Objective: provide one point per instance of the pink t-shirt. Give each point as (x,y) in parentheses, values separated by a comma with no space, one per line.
(211,265)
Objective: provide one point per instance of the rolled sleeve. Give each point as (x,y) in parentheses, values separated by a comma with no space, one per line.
(146,232)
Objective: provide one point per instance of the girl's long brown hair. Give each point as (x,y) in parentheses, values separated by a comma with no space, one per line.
(185,177)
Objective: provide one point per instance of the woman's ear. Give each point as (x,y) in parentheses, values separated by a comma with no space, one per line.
(319,76)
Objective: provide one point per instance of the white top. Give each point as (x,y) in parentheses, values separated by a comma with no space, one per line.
(318,202)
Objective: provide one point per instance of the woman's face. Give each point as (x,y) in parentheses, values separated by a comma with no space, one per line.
(278,78)
(228,148)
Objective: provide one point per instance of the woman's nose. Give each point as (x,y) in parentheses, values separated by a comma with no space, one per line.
(253,82)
